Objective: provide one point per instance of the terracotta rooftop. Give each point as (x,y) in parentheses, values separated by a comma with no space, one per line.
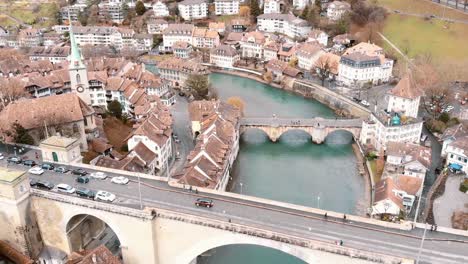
(415,151)
(406,88)
(99,255)
(409,184)
(384,189)
(11,254)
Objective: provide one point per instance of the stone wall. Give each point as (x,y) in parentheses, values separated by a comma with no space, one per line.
(333,100)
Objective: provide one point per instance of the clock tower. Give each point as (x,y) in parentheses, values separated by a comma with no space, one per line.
(77,71)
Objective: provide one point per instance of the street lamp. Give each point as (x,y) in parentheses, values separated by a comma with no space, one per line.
(241,187)
(422,243)
(318,201)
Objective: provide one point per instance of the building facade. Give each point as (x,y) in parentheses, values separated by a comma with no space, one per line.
(286,24)
(193,9)
(226,7)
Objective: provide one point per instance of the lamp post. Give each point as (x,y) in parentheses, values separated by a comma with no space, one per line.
(241,187)
(318,201)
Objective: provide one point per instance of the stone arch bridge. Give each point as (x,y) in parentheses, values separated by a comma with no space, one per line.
(318,128)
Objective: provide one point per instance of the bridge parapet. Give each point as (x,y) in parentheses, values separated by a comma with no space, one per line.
(278,237)
(108,207)
(301,122)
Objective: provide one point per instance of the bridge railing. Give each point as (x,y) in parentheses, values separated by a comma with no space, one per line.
(301,122)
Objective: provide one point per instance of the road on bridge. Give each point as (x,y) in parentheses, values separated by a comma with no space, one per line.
(438,247)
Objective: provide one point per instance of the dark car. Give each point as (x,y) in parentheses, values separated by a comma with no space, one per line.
(80,172)
(29,163)
(204,202)
(82,179)
(45,185)
(47,166)
(16,160)
(61,170)
(84,192)
(33,182)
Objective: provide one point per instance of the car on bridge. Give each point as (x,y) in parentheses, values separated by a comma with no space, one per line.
(80,172)
(29,163)
(105,196)
(85,192)
(98,175)
(16,160)
(61,170)
(47,166)
(65,188)
(82,179)
(120,180)
(44,185)
(36,170)
(204,202)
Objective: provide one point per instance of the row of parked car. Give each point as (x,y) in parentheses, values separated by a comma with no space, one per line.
(80,191)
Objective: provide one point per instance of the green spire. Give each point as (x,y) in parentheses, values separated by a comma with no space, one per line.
(75,55)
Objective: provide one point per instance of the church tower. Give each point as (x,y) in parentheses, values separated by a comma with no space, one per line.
(77,71)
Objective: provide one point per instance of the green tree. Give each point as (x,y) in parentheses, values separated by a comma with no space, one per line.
(199,85)
(140,8)
(444,117)
(305,12)
(21,135)
(115,109)
(255,10)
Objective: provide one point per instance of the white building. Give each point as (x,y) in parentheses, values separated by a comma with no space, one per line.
(152,141)
(226,7)
(177,32)
(193,9)
(393,196)
(205,38)
(252,45)
(157,26)
(272,6)
(160,9)
(364,63)
(308,54)
(55,54)
(408,159)
(182,49)
(404,97)
(111,36)
(450,135)
(382,128)
(301,4)
(112,9)
(61,149)
(178,70)
(286,24)
(336,9)
(457,154)
(318,36)
(224,56)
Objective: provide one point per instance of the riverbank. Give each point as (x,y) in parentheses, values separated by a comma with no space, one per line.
(361,207)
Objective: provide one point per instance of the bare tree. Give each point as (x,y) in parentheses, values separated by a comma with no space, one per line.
(11,90)
(324,67)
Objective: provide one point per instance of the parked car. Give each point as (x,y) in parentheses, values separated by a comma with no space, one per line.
(44,185)
(33,182)
(84,192)
(65,188)
(16,160)
(120,180)
(1,156)
(80,172)
(98,175)
(82,179)
(365,103)
(204,202)
(36,170)
(105,196)
(177,140)
(356,99)
(47,166)
(61,170)
(29,163)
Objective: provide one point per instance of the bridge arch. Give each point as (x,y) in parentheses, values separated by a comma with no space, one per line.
(212,242)
(84,229)
(352,133)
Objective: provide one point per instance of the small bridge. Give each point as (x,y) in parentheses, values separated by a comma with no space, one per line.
(318,128)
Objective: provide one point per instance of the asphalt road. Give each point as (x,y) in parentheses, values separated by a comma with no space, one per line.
(302,224)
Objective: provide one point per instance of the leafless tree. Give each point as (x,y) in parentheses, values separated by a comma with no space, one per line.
(11,89)
(324,67)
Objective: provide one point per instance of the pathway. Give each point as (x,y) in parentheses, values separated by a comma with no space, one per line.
(452,200)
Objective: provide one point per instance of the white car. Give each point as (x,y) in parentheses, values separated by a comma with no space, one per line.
(1,156)
(65,188)
(36,170)
(98,175)
(120,180)
(365,103)
(105,196)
